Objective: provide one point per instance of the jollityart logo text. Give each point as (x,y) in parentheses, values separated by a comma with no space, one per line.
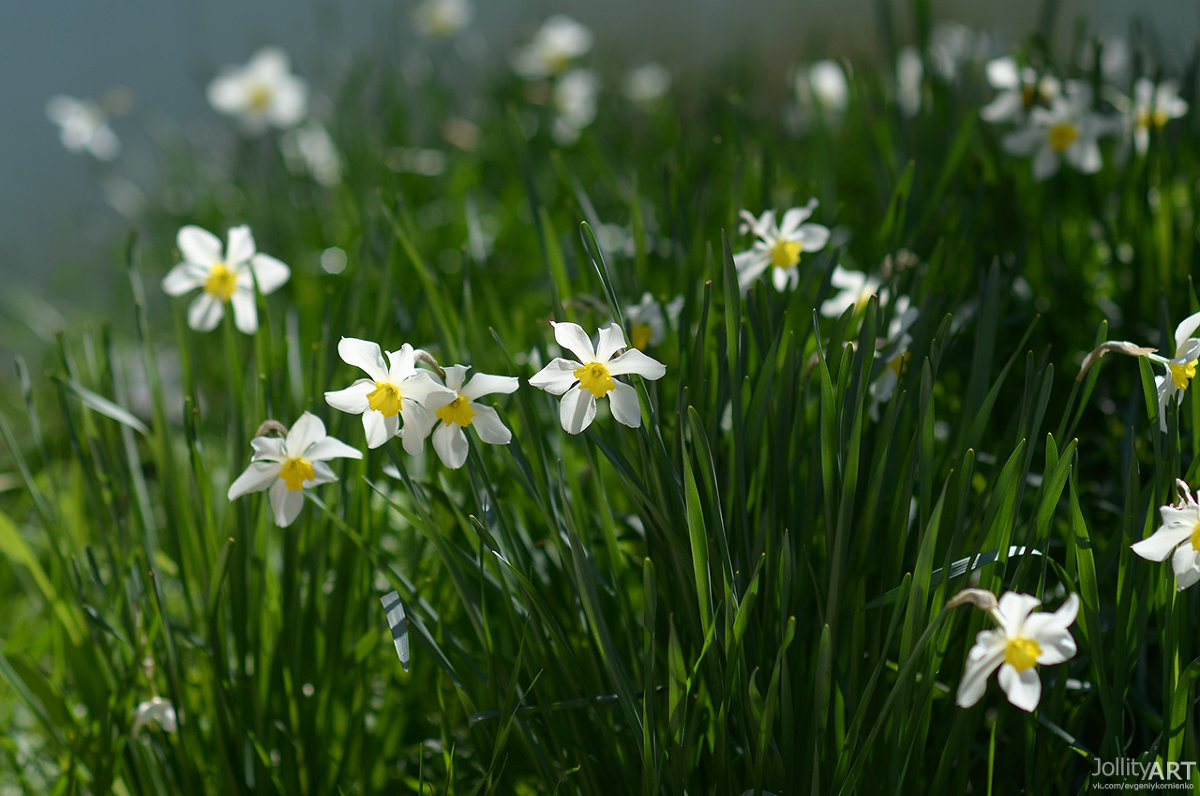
(1130,774)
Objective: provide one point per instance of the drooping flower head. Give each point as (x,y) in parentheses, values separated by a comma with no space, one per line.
(581,382)
(557,43)
(449,438)
(263,93)
(286,466)
(226,277)
(1067,130)
(1178,537)
(1023,640)
(779,247)
(396,390)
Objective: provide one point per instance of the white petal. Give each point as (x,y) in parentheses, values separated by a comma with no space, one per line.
(482,384)
(1023,141)
(455,376)
(1024,689)
(257,477)
(198,245)
(421,388)
(451,445)
(1002,73)
(1186,329)
(1085,156)
(1015,608)
(749,265)
(812,237)
(982,660)
(322,474)
(353,399)
(623,401)
(418,421)
(1186,566)
(184,277)
(379,429)
(226,94)
(269,273)
(572,337)
(289,102)
(303,433)
(205,313)
(241,246)
(557,377)
(1160,544)
(365,355)
(1045,163)
(489,427)
(635,362)
(780,278)
(245,311)
(285,503)
(612,340)
(793,218)
(330,448)
(401,363)
(267,449)
(577,410)
(1006,107)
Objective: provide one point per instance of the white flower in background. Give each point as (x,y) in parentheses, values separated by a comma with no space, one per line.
(910,79)
(308,149)
(1153,107)
(449,438)
(395,391)
(779,246)
(952,46)
(263,93)
(287,466)
(1179,533)
(1116,57)
(1181,367)
(647,324)
(557,43)
(647,83)
(1067,130)
(1021,89)
(895,354)
(83,127)
(823,84)
(1023,640)
(227,278)
(155,710)
(442,18)
(574,100)
(581,382)
(855,289)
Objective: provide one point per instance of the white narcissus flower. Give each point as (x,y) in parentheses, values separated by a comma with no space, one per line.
(395,391)
(574,100)
(854,290)
(910,80)
(263,93)
(823,84)
(647,324)
(1023,640)
(442,18)
(289,465)
(310,149)
(647,83)
(449,438)
(557,43)
(895,353)
(1179,533)
(1067,130)
(227,278)
(1153,107)
(779,246)
(1181,367)
(156,710)
(581,382)
(1020,89)
(83,127)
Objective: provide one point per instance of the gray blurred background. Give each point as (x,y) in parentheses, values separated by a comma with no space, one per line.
(57,227)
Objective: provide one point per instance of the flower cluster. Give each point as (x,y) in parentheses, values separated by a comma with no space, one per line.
(550,57)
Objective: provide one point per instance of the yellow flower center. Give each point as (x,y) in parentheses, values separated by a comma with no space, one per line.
(457,411)
(1156,118)
(785,253)
(385,398)
(640,335)
(897,364)
(1182,374)
(1021,652)
(1196,536)
(594,377)
(221,282)
(1062,135)
(295,472)
(258,97)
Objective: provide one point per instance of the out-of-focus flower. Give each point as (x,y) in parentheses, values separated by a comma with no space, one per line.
(952,45)
(449,438)
(895,354)
(1180,534)
(1067,130)
(83,127)
(395,391)
(855,289)
(263,93)
(155,710)
(574,100)
(289,465)
(647,83)
(308,149)
(647,324)
(226,278)
(1181,368)
(442,18)
(581,382)
(823,84)
(557,43)
(1023,640)
(1153,107)
(779,246)
(1021,89)
(910,79)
